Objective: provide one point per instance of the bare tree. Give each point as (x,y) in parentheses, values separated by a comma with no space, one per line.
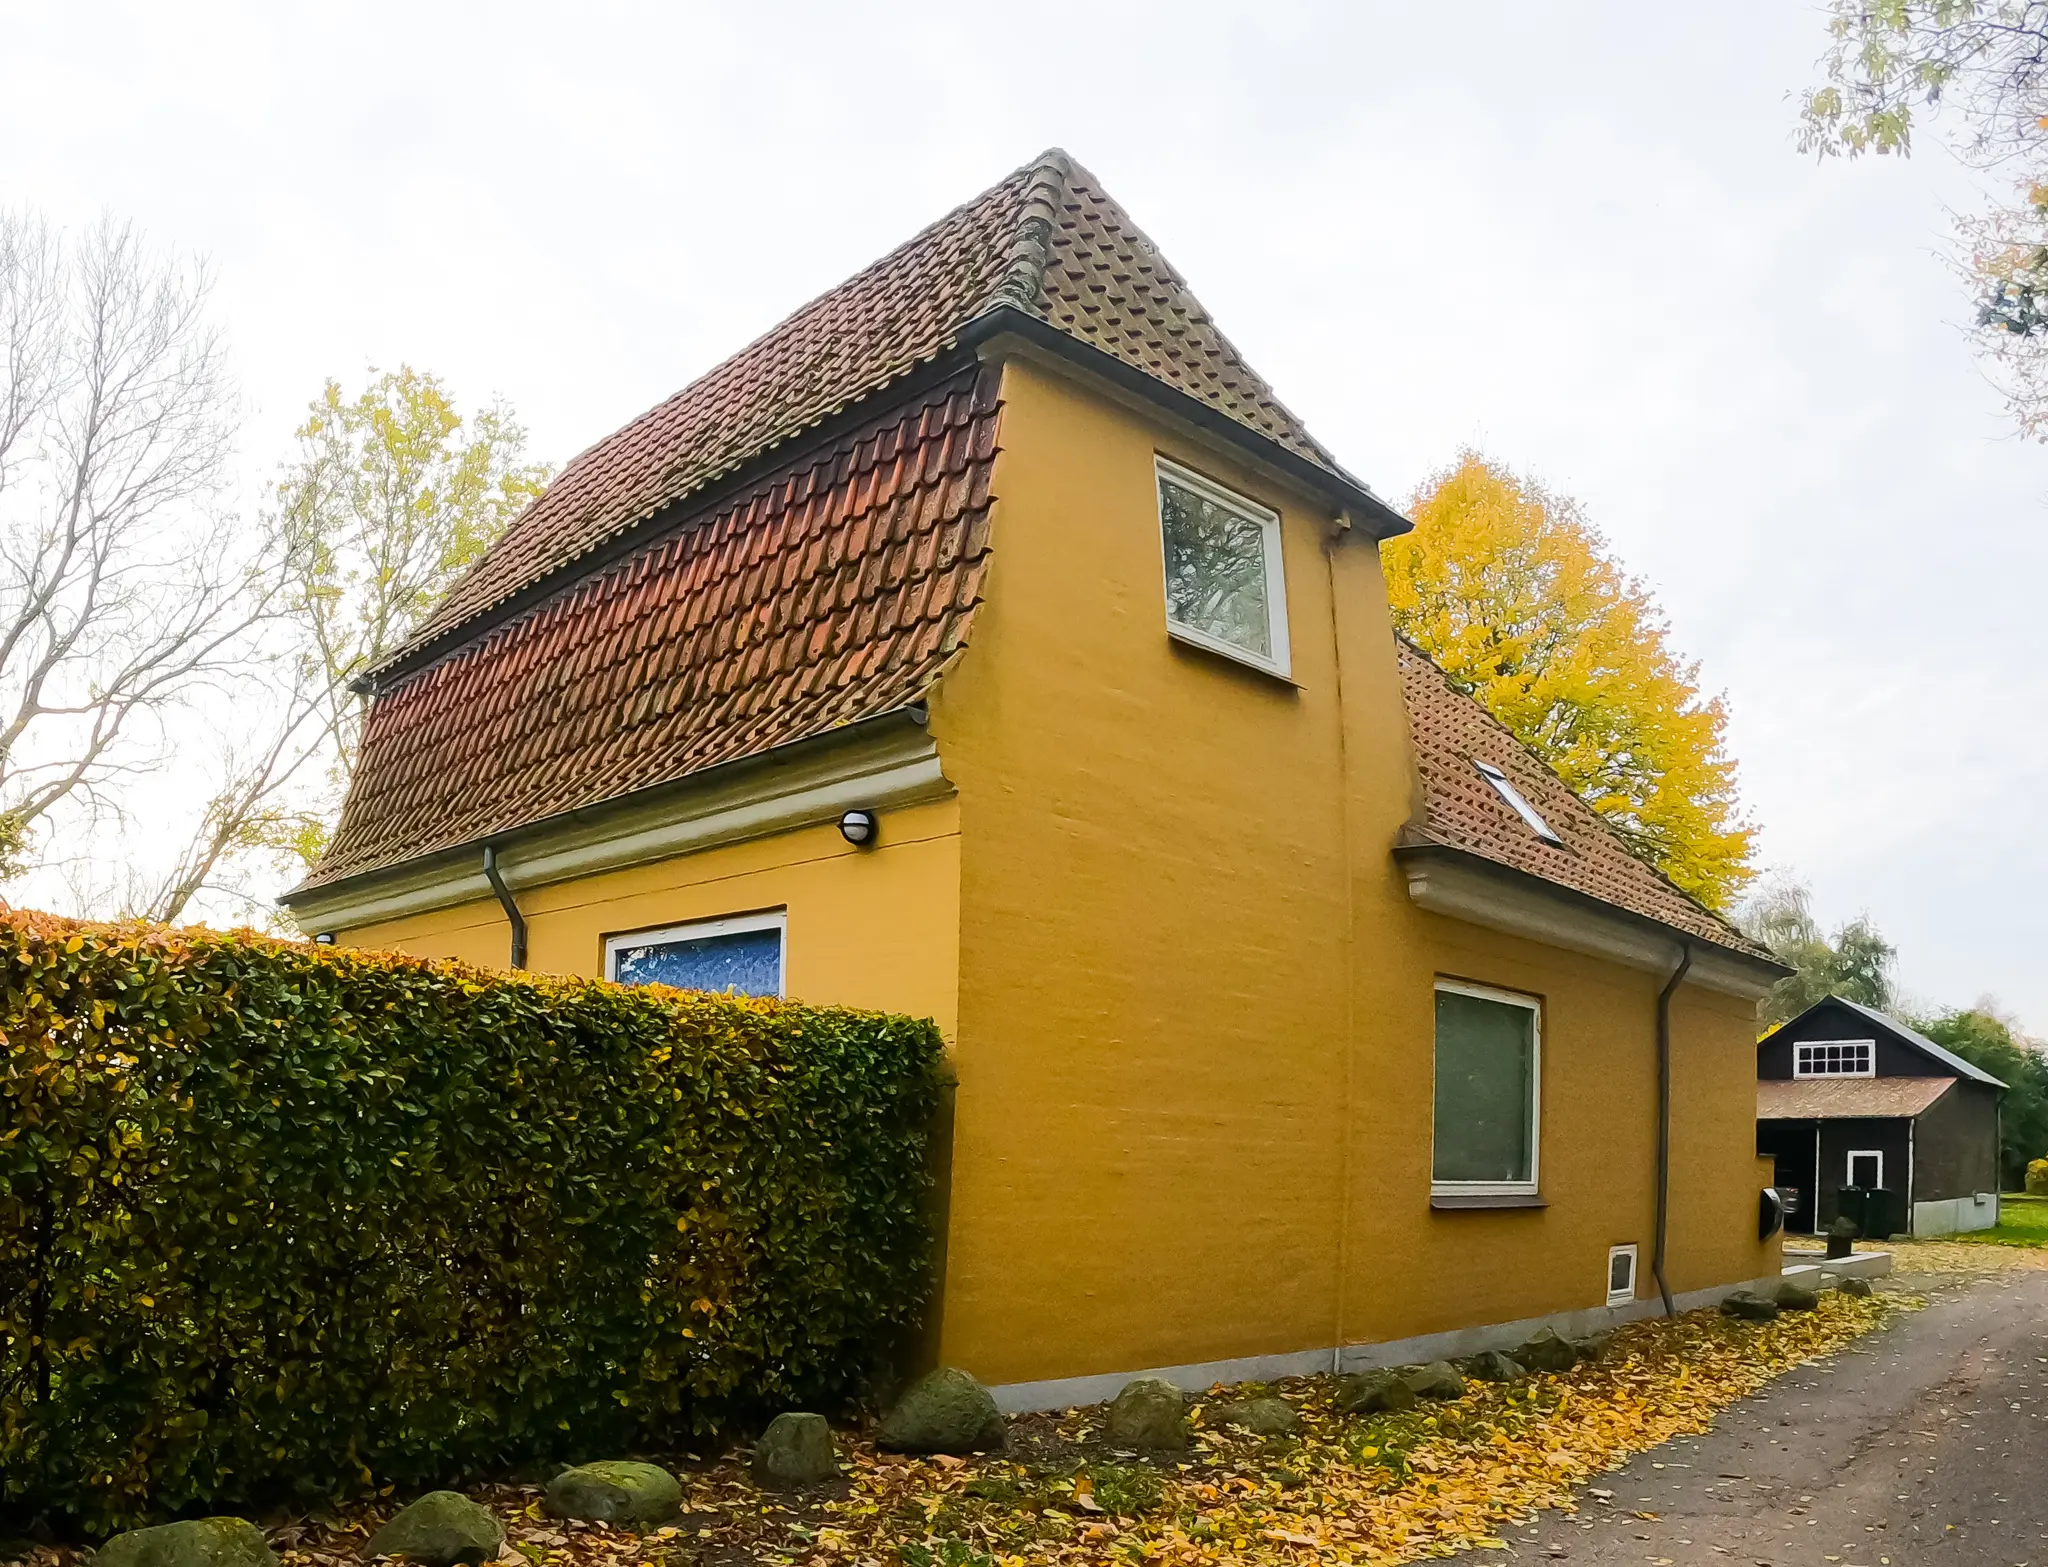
(125,585)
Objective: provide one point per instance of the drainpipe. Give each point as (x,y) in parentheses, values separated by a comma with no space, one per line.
(1664,1122)
(512,914)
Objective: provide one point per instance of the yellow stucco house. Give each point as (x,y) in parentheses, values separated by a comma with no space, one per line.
(988,642)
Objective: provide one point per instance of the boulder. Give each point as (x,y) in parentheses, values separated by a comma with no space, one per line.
(1260,1416)
(1438,1379)
(1797,1297)
(1749,1306)
(944,1411)
(1592,1346)
(633,1496)
(1149,1415)
(1547,1350)
(795,1450)
(441,1529)
(197,1542)
(1492,1366)
(1855,1286)
(1371,1392)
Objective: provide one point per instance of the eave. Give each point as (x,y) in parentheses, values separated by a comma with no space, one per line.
(1466,886)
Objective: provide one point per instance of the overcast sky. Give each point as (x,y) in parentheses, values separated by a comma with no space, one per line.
(1581,241)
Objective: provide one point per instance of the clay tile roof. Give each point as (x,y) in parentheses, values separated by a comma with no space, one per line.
(1846,1098)
(1461,810)
(833,589)
(1047,241)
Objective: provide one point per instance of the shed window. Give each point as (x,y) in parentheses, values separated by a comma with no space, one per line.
(1487,1068)
(741,955)
(1224,587)
(1835,1058)
(1866,1168)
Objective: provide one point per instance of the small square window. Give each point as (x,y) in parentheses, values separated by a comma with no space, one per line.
(1487,1093)
(1225,590)
(1621,1275)
(1866,1168)
(742,956)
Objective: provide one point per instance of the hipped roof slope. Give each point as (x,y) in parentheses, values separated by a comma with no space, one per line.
(1460,810)
(1047,242)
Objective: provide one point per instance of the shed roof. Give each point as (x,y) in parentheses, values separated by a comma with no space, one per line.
(1846,1098)
(1460,810)
(1912,1038)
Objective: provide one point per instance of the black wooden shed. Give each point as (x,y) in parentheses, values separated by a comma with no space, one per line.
(1847,1096)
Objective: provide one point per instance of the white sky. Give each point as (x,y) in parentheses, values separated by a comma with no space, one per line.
(1583,242)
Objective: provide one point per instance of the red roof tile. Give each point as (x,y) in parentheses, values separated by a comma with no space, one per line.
(832,590)
(1461,810)
(1047,241)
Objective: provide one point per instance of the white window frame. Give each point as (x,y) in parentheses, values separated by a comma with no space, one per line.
(1518,803)
(776,920)
(1534,1006)
(1618,1297)
(1800,1069)
(1281,662)
(1849,1167)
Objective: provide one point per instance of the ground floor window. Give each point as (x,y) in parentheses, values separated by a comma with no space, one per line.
(742,954)
(1866,1168)
(1487,1091)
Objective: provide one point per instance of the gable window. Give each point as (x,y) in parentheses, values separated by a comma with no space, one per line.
(1487,1092)
(741,955)
(1224,587)
(1518,803)
(1835,1058)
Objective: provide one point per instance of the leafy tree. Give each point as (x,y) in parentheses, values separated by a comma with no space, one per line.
(389,497)
(1856,964)
(1513,593)
(1986,63)
(1986,1040)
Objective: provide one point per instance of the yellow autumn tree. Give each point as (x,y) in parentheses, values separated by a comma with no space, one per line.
(1513,593)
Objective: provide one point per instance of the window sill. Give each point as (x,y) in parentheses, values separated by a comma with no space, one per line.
(1217,648)
(1449,1200)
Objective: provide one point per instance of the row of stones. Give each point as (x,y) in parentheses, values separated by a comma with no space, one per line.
(441,1529)
(947,1411)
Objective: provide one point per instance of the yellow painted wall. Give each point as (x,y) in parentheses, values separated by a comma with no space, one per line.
(1195,1001)
(866,927)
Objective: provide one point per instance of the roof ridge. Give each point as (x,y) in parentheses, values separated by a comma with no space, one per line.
(1023,280)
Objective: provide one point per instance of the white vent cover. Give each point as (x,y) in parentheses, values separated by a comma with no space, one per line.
(1621,1275)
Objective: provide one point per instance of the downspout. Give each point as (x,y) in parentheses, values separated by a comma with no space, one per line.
(505,902)
(1664,1123)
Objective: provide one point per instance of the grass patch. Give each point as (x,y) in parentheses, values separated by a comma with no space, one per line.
(2022,1221)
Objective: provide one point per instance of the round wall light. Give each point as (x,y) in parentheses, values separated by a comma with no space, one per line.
(324,939)
(859,828)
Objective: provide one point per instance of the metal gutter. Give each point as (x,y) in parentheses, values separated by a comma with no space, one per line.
(1664,1122)
(508,904)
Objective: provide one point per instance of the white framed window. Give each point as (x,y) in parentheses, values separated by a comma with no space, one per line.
(1835,1058)
(1621,1275)
(1518,803)
(742,955)
(1866,1168)
(1225,589)
(1488,1092)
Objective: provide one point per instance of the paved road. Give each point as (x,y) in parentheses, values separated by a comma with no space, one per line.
(1926,1443)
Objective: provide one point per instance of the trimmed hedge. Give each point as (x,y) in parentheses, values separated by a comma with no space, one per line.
(281,1221)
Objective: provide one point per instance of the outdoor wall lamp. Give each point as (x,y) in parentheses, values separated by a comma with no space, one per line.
(859,828)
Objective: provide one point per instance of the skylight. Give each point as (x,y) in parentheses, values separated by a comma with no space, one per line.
(1520,806)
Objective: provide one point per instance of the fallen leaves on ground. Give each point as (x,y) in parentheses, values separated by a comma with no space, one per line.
(1373,1490)
(1962,1257)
